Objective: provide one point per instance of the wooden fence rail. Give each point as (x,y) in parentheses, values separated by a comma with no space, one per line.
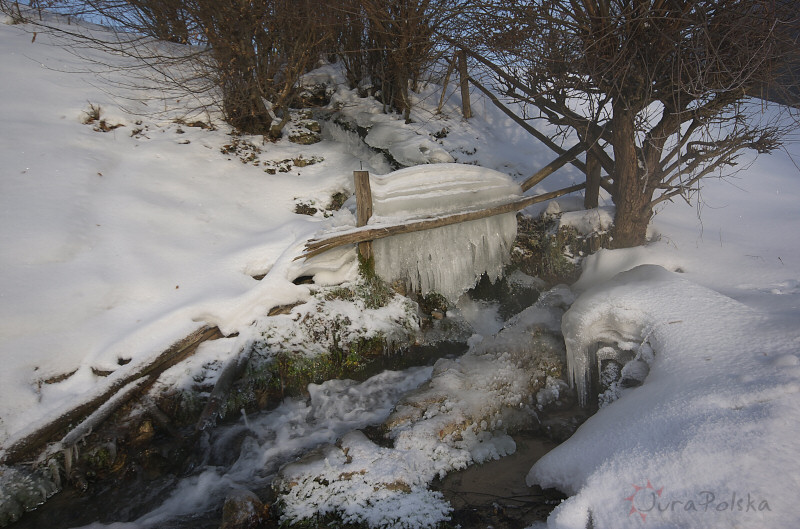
(379,230)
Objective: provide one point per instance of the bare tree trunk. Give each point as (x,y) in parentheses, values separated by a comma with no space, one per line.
(631,197)
(464,77)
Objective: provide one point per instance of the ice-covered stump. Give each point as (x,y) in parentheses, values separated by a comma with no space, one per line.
(448,260)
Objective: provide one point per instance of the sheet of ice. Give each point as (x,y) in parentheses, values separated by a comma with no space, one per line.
(451,259)
(705,441)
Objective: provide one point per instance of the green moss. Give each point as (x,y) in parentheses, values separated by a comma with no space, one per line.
(432,301)
(291,373)
(373,290)
(541,250)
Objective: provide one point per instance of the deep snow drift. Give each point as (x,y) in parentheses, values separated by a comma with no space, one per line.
(710,429)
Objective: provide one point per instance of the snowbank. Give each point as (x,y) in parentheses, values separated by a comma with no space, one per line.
(117,244)
(705,441)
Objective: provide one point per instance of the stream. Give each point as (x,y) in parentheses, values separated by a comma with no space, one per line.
(242,458)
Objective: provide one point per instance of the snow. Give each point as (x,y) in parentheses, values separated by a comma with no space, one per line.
(711,419)
(363,483)
(115,245)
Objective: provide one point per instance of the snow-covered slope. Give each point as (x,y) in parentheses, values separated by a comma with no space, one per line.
(114,244)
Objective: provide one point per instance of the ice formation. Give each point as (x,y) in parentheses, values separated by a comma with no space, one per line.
(447,260)
(462,415)
(709,426)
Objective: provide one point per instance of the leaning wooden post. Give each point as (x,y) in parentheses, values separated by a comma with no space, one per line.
(464,75)
(446,82)
(363,210)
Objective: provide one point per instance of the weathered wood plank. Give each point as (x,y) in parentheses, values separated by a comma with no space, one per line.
(553,166)
(363,209)
(372,232)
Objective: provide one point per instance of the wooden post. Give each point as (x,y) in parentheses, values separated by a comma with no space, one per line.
(591,198)
(446,82)
(363,209)
(463,74)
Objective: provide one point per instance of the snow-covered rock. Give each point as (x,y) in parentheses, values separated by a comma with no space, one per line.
(701,444)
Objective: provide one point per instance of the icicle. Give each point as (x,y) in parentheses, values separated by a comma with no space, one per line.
(67,461)
(451,259)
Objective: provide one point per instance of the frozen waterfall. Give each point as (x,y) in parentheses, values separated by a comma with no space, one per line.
(448,260)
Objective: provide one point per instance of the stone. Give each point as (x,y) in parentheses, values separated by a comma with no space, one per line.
(243,510)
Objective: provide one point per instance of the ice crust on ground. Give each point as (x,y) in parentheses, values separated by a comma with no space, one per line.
(362,483)
(448,260)
(463,415)
(708,425)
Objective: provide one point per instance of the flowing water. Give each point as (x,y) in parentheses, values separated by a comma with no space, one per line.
(189,489)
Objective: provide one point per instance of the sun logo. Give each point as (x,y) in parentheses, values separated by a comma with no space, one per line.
(648,489)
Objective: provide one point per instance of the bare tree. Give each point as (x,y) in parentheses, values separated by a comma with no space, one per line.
(391,44)
(252,54)
(664,85)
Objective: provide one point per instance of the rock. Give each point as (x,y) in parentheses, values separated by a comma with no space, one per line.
(311,125)
(243,510)
(304,137)
(22,491)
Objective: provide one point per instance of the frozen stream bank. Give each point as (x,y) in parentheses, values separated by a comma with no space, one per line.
(409,428)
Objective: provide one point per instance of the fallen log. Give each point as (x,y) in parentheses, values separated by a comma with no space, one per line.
(379,231)
(31,444)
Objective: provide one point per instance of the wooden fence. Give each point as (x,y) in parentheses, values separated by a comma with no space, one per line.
(363,234)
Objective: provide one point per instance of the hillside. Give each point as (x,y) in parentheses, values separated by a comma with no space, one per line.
(119,242)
